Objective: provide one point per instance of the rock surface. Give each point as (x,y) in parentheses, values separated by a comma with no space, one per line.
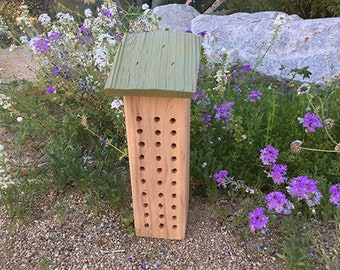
(286,41)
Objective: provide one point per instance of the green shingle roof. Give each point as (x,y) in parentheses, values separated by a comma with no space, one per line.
(163,64)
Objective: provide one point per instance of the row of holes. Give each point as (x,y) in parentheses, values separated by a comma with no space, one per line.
(158,158)
(156,119)
(159,170)
(160,195)
(161,225)
(157,132)
(159,182)
(157,144)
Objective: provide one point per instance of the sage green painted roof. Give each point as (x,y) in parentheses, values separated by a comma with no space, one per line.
(163,64)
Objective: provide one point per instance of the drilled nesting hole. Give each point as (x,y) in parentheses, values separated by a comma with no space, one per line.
(141,157)
(173,132)
(161,216)
(146,214)
(139,118)
(173,145)
(173,158)
(159,170)
(158,132)
(139,131)
(144,194)
(174,227)
(146,225)
(172,120)
(173,183)
(156,119)
(160,182)
(142,169)
(141,144)
(145,205)
(174,195)
(158,158)
(174,170)
(160,195)
(173,207)
(161,225)
(160,205)
(158,144)
(143,181)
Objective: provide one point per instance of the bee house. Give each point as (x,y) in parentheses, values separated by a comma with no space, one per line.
(156,73)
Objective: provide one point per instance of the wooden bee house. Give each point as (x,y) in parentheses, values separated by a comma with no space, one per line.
(156,73)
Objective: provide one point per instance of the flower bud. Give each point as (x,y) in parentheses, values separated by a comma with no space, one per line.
(295,146)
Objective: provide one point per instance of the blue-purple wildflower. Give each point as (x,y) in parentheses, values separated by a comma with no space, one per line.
(221,177)
(258,220)
(206,118)
(255,95)
(278,202)
(223,112)
(335,195)
(246,67)
(269,155)
(42,45)
(311,122)
(305,189)
(201,97)
(278,173)
(50,89)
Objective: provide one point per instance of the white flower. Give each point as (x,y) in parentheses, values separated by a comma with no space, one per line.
(100,57)
(24,39)
(44,19)
(116,104)
(204,164)
(303,89)
(88,13)
(19,119)
(145,6)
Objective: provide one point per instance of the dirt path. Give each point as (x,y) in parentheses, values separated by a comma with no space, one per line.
(16,64)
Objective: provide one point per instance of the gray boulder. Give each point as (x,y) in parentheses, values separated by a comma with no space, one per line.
(176,17)
(274,42)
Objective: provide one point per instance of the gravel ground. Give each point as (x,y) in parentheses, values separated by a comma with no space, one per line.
(87,241)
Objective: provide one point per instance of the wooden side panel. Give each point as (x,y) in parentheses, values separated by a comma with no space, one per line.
(158,133)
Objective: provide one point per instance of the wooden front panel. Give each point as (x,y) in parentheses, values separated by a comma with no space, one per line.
(158,133)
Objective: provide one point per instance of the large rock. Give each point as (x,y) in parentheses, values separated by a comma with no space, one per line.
(273,41)
(176,17)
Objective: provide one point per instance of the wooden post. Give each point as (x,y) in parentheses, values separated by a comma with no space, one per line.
(157,116)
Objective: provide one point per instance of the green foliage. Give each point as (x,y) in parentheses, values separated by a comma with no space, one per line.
(307,9)
(18,198)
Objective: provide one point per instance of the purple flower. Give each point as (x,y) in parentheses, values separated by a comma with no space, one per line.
(305,189)
(42,45)
(311,122)
(335,195)
(188,31)
(255,95)
(50,89)
(246,67)
(201,97)
(223,112)
(54,36)
(206,118)
(202,33)
(258,220)
(221,178)
(84,31)
(278,202)
(105,12)
(269,155)
(55,71)
(278,173)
